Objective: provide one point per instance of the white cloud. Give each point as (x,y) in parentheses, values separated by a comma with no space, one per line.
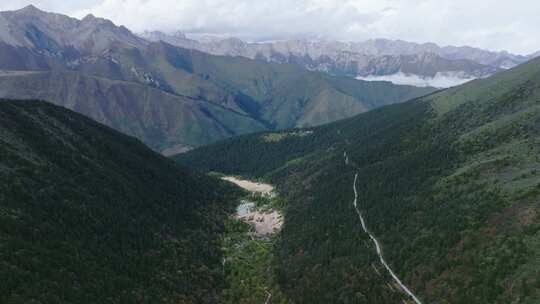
(440,80)
(488,24)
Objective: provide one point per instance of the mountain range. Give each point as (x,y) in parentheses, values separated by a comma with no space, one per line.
(398,61)
(448,183)
(172,98)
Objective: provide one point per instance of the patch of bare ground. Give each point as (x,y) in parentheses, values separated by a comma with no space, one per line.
(251,186)
(265,223)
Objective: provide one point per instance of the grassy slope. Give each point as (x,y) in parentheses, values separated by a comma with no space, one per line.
(88,215)
(448,183)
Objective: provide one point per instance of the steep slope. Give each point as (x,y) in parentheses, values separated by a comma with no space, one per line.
(101,69)
(165,121)
(447,183)
(88,215)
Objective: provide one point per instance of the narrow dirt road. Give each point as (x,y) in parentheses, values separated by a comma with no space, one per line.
(378,247)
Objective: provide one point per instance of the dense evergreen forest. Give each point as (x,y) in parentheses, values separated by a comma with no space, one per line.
(449,184)
(88,215)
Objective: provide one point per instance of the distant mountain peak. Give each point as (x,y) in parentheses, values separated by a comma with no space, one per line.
(34,28)
(89,17)
(30,8)
(179,34)
(172,38)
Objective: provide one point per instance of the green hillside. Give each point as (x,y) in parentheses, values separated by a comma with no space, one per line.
(448,183)
(88,215)
(161,120)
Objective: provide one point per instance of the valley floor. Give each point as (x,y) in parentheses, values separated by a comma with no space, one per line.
(248,245)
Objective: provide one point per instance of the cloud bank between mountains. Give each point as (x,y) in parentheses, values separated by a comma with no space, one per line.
(496,25)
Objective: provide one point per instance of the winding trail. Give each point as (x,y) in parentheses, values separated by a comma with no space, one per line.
(378,247)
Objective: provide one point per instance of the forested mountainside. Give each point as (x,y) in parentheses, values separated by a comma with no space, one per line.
(448,183)
(88,215)
(172,98)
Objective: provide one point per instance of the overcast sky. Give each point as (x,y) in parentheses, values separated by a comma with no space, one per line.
(490,24)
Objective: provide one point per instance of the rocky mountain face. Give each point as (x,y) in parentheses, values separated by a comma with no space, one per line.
(370,60)
(61,35)
(172,98)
